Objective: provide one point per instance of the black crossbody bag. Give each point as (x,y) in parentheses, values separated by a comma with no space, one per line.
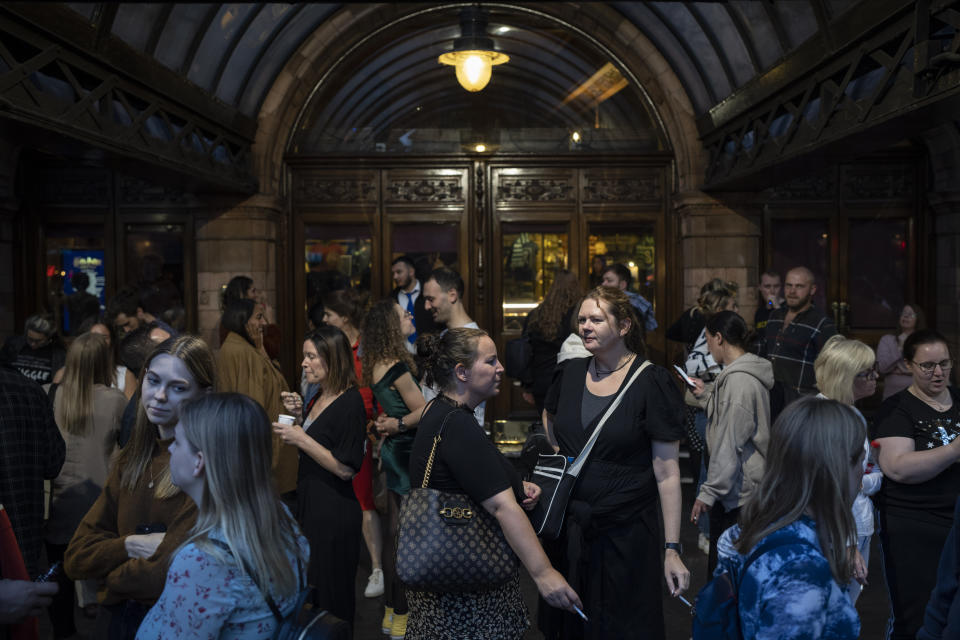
(556,475)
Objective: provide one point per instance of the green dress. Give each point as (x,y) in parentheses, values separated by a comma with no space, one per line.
(395,452)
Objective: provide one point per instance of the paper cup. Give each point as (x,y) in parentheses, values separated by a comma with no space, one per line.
(285,419)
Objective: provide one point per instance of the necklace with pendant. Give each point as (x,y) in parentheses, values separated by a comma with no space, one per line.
(600,372)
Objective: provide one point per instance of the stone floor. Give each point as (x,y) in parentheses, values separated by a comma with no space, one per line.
(872,604)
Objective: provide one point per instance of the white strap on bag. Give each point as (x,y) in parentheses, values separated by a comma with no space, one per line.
(577,464)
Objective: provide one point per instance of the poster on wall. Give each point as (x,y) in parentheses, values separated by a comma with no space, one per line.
(83,286)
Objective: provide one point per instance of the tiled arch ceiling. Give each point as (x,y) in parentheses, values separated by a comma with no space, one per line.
(235,51)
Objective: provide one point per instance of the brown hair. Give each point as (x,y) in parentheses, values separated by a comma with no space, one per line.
(382,339)
(813,445)
(921,316)
(332,345)
(620,309)
(347,303)
(715,295)
(136,456)
(439,354)
(547,317)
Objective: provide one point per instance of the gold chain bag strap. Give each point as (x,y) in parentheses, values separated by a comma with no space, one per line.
(448,543)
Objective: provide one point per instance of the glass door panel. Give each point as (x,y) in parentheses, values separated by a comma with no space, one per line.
(429,244)
(806,242)
(336,256)
(634,247)
(154,264)
(878,272)
(75,259)
(530,258)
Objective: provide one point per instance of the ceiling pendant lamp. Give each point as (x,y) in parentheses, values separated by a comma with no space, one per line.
(473,52)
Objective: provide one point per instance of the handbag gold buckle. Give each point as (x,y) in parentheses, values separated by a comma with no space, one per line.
(457,513)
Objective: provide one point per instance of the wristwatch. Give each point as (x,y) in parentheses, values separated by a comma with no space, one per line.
(676,546)
(400,426)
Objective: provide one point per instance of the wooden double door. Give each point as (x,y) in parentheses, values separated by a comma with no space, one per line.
(507,225)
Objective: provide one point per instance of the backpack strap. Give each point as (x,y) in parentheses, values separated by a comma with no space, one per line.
(274,609)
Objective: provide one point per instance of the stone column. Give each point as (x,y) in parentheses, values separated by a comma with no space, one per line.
(945,318)
(240,241)
(720,239)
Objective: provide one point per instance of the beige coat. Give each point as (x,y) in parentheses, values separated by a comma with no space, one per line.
(243,369)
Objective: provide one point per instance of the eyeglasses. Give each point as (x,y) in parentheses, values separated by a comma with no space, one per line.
(869,374)
(928,367)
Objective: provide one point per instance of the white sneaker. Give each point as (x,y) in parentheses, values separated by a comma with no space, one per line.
(704,543)
(374,584)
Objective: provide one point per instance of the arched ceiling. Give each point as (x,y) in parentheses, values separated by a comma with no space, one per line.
(235,51)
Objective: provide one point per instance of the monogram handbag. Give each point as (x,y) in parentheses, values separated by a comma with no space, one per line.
(556,476)
(448,543)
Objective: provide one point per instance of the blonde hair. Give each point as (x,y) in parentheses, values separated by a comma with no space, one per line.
(839,362)
(813,445)
(715,295)
(89,362)
(240,500)
(136,456)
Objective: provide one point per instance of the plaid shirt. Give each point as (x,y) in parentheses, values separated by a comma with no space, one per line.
(31,450)
(793,349)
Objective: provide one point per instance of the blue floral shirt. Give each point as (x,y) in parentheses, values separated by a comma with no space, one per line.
(789,592)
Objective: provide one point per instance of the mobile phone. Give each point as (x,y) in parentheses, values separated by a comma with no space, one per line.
(52,574)
(154,527)
(686,378)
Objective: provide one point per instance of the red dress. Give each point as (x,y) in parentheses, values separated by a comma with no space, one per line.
(363,481)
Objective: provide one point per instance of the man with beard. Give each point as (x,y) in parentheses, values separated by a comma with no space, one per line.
(407,295)
(795,333)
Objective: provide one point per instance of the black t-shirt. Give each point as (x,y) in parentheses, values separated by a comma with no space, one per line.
(617,481)
(466,460)
(40,365)
(907,416)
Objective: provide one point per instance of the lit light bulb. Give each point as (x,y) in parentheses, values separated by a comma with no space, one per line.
(575,136)
(473,68)
(480,148)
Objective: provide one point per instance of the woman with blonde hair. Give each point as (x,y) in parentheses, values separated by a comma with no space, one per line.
(130,533)
(389,370)
(797,526)
(547,326)
(88,412)
(245,555)
(846,372)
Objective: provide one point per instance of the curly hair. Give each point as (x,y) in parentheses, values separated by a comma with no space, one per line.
(563,294)
(382,340)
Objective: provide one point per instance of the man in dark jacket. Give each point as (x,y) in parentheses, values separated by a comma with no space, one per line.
(31,451)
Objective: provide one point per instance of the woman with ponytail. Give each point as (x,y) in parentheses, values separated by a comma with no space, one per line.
(738,425)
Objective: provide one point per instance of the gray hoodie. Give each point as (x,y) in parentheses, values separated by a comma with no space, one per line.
(738,431)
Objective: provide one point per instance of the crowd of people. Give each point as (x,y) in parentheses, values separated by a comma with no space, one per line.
(196,492)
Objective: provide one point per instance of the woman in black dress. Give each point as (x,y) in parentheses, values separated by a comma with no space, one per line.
(463,364)
(331,451)
(611,535)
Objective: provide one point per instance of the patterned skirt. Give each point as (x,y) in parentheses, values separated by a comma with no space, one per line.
(498,614)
